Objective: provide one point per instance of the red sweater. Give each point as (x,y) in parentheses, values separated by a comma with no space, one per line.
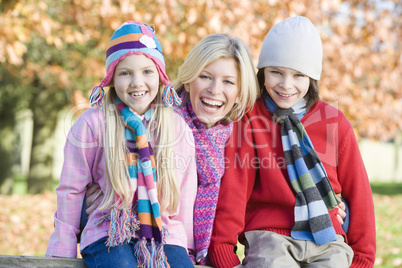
(255,193)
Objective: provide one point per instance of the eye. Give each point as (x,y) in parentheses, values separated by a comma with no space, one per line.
(124,73)
(229,82)
(275,72)
(299,75)
(203,76)
(148,72)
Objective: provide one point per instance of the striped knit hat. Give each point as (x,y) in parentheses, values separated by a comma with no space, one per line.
(134,38)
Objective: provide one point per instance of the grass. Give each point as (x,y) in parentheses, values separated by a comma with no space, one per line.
(388,213)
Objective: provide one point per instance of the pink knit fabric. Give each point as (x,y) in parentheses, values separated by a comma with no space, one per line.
(210,153)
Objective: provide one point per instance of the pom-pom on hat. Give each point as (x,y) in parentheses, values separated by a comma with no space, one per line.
(134,38)
(293,43)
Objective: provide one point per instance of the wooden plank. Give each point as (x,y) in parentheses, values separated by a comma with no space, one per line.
(14,261)
(11,261)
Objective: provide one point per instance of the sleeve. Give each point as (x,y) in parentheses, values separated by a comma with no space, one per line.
(79,154)
(356,191)
(236,186)
(180,223)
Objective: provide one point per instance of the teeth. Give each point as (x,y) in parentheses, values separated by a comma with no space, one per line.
(211,108)
(212,102)
(285,95)
(138,94)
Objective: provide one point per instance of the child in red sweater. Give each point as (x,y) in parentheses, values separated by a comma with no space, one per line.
(287,159)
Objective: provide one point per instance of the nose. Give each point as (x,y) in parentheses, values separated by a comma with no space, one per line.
(286,82)
(215,87)
(136,81)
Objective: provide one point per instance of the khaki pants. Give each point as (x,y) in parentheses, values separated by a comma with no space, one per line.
(268,249)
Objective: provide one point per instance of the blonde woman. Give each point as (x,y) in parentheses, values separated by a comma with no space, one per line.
(218,85)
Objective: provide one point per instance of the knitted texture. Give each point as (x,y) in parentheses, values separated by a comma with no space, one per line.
(134,38)
(293,43)
(314,193)
(210,153)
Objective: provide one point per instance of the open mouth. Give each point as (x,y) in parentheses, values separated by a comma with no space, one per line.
(137,94)
(285,95)
(213,105)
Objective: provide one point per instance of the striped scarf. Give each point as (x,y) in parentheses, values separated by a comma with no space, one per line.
(141,167)
(210,153)
(314,193)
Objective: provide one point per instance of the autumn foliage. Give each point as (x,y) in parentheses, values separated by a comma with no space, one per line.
(362,53)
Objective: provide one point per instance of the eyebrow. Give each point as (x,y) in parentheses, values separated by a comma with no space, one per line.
(226,76)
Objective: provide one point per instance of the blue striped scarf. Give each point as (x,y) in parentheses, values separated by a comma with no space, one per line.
(123,222)
(314,193)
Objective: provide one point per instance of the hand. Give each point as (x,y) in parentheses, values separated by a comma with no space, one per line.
(341,211)
(94,198)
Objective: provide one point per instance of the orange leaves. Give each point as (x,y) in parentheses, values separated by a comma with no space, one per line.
(362,53)
(26,223)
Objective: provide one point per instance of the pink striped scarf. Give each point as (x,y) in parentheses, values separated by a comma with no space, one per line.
(210,153)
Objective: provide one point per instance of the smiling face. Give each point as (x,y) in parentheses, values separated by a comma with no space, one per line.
(136,81)
(285,86)
(213,93)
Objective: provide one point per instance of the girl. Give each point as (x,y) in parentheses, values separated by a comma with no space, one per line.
(287,160)
(217,82)
(144,206)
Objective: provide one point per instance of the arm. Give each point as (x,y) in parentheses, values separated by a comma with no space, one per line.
(76,176)
(357,193)
(236,186)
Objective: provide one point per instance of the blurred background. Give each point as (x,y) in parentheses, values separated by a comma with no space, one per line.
(52,53)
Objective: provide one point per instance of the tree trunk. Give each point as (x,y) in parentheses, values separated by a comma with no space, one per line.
(44,108)
(7,143)
(7,140)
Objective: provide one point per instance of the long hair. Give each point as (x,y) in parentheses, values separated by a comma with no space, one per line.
(117,175)
(311,97)
(212,48)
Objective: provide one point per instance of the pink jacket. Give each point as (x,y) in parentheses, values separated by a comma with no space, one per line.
(84,163)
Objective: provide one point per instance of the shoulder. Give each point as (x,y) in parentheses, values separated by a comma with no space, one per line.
(89,125)
(327,113)
(93,115)
(325,118)
(258,110)
(257,117)
(184,135)
(179,122)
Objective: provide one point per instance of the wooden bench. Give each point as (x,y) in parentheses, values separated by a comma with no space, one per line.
(11,261)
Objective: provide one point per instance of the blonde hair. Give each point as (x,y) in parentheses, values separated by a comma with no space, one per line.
(212,48)
(117,175)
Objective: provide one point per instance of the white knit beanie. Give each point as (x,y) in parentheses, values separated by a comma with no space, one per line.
(293,43)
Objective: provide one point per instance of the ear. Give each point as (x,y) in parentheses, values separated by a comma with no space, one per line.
(237,100)
(187,87)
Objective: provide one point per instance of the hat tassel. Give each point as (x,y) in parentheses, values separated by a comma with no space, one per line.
(170,96)
(96,97)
